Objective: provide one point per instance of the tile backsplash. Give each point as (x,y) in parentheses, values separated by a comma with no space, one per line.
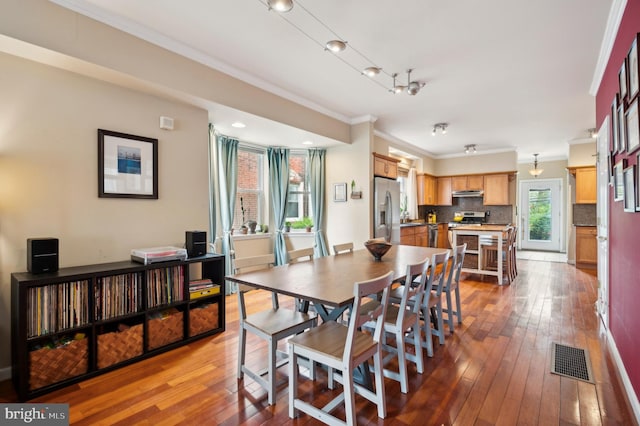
(584,214)
(498,214)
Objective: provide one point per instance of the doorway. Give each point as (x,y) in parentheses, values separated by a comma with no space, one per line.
(603,221)
(541,214)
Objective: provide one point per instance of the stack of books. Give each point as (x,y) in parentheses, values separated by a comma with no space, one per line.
(202,288)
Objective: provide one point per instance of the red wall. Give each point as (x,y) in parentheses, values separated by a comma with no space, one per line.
(624,228)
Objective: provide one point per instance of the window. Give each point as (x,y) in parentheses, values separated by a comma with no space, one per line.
(299,198)
(250,189)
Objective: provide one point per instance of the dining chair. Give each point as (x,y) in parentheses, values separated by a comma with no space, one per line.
(403,322)
(342,348)
(431,308)
(452,285)
(490,255)
(343,248)
(296,256)
(272,325)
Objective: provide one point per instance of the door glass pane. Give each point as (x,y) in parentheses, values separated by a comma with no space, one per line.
(540,214)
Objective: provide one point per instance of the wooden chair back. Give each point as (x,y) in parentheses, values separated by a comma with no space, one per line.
(413,288)
(253,263)
(457,260)
(343,248)
(299,255)
(438,273)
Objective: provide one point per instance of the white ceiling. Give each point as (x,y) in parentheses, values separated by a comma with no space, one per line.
(505,74)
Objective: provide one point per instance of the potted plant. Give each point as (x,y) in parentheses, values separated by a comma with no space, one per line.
(287,226)
(308,223)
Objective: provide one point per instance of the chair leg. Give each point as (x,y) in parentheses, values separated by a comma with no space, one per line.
(402,362)
(458,305)
(449,312)
(380,394)
(293,381)
(349,396)
(242,343)
(427,332)
(418,346)
(273,346)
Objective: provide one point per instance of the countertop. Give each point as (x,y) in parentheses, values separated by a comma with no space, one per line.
(409,224)
(589,225)
(481,228)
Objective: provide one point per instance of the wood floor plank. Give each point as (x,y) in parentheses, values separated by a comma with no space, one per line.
(493,370)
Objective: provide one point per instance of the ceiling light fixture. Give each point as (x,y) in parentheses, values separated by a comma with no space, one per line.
(470,149)
(280,6)
(443,129)
(593,133)
(337,44)
(535,172)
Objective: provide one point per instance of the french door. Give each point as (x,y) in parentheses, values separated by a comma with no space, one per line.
(540,214)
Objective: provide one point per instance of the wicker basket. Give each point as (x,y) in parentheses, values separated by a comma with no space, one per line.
(470,261)
(163,331)
(120,346)
(54,365)
(203,318)
(471,240)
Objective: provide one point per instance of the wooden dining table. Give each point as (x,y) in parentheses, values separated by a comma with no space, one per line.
(328,281)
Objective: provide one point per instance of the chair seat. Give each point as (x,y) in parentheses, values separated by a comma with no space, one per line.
(328,340)
(278,321)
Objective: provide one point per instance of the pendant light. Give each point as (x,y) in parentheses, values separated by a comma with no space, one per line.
(535,172)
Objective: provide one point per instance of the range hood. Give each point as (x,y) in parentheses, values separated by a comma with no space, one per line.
(473,193)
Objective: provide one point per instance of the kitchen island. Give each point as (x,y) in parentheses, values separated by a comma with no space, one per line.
(477,236)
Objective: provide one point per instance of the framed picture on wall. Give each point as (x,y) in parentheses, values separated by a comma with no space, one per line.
(632,65)
(127,166)
(618,180)
(614,124)
(622,81)
(633,126)
(630,189)
(622,129)
(340,192)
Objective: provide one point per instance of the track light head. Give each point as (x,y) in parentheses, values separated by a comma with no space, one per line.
(280,6)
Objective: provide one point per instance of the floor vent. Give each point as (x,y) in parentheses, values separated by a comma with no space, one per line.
(571,362)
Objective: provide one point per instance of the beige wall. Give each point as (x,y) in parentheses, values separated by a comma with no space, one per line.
(48,171)
(351,221)
(477,163)
(583,154)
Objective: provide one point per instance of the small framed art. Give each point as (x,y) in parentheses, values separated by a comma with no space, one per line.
(630,189)
(622,129)
(622,81)
(127,166)
(638,182)
(618,180)
(340,192)
(632,65)
(633,126)
(614,124)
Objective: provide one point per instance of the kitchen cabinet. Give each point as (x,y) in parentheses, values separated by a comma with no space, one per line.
(586,187)
(496,190)
(443,191)
(586,246)
(467,183)
(414,235)
(426,190)
(443,236)
(385,166)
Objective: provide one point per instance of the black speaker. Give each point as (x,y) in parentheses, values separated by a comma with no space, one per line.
(42,255)
(196,243)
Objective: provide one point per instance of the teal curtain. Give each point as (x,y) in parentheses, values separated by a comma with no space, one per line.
(227,173)
(317,186)
(279,189)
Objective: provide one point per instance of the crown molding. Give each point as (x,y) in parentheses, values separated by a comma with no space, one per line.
(363,119)
(610,33)
(399,143)
(188,52)
(478,153)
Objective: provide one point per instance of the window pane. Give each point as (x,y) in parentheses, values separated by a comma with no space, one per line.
(540,215)
(299,197)
(249,190)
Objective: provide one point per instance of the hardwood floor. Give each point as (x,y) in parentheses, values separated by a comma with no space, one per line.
(494,370)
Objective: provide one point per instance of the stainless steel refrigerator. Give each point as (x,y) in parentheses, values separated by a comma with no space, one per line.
(386,206)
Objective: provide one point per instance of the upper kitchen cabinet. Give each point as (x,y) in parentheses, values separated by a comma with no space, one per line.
(443,194)
(586,187)
(385,166)
(496,190)
(467,183)
(426,190)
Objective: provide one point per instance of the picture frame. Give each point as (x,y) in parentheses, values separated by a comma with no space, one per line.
(630,189)
(614,124)
(632,65)
(127,166)
(632,126)
(618,180)
(340,192)
(610,166)
(637,182)
(622,129)
(623,81)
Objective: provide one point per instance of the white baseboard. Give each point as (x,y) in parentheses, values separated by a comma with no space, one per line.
(622,372)
(5,374)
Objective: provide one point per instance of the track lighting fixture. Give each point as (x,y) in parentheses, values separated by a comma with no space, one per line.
(280,6)
(593,133)
(337,44)
(440,126)
(470,149)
